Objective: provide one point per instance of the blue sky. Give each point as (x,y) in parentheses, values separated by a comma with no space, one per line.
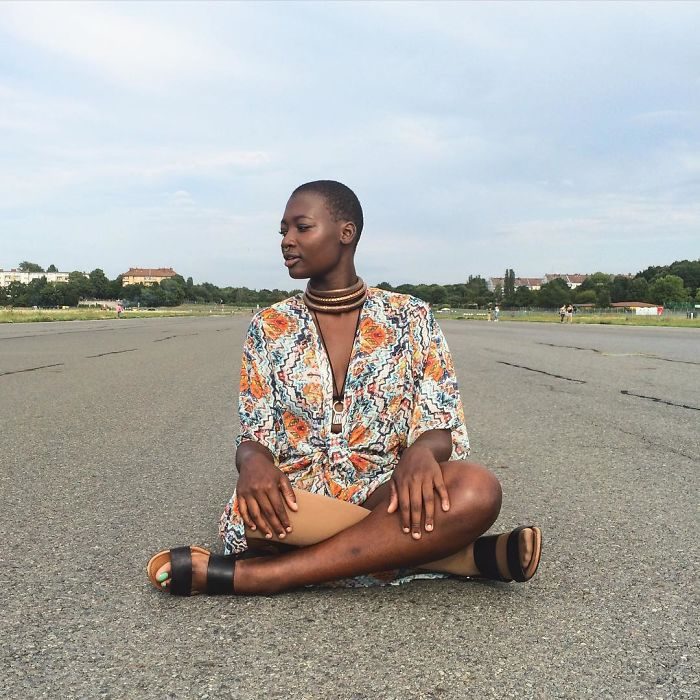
(540,137)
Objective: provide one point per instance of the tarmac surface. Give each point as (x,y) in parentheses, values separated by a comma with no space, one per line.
(116,440)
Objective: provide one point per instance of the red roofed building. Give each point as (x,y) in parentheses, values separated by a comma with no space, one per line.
(147,276)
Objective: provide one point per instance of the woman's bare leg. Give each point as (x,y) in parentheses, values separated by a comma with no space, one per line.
(377,543)
(320,517)
(374,542)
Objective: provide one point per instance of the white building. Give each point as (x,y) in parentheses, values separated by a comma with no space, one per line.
(8,276)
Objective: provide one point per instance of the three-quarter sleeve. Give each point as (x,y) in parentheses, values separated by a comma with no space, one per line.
(256,393)
(437,403)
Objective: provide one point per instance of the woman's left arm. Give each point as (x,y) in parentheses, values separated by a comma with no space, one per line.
(415,480)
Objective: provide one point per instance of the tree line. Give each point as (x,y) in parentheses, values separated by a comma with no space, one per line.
(674,284)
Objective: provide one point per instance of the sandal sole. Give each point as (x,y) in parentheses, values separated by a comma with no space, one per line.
(158,560)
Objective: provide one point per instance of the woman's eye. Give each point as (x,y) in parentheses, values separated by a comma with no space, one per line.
(283,233)
(303,227)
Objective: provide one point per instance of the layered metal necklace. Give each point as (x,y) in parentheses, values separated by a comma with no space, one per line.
(337,301)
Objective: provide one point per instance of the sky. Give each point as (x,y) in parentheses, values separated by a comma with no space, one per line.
(542,137)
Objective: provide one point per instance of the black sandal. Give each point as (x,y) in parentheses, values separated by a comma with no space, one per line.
(219,571)
(486,559)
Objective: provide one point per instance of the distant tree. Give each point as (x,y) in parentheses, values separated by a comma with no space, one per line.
(51,268)
(406,289)
(35,290)
(51,295)
(477,291)
(70,294)
(509,287)
(26,266)
(653,272)
(620,289)
(172,292)
(668,289)
(17,294)
(602,298)
(438,295)
(583,296)
(115,288)
(552,295)
(638,289)
(689,272)
(523,296)
(100,284)
(81,284)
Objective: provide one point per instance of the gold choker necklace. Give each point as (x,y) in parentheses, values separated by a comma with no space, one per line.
(336,301)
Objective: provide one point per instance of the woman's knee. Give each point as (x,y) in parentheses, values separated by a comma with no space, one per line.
(475,493)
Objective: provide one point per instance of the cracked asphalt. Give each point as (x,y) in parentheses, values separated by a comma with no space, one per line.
(116,440)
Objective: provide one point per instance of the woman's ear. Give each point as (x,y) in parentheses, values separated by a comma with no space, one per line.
(348,233)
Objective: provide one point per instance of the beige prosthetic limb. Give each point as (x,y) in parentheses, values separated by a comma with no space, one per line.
(320,517)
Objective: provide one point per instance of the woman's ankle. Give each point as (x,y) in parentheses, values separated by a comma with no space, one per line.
(257,576)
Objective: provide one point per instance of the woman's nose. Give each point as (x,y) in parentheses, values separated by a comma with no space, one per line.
(287,240)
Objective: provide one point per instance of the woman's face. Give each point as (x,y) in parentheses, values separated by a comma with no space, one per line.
(312,242)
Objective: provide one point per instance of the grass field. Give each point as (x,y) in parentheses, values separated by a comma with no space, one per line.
(612,319)
(83,314)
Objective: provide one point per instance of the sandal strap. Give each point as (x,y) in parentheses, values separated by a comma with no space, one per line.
(485,558)
(181,571)
(513,555)
(220,574)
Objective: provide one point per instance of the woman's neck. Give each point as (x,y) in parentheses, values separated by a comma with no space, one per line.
(337,279)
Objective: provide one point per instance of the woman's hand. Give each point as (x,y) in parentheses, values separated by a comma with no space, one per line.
(416,478)
(264,493)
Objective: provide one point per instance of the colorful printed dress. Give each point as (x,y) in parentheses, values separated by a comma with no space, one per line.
(400,384)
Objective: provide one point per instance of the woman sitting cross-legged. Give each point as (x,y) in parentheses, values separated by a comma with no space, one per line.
(352,449)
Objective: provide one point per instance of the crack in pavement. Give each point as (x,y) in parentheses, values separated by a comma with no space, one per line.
(655,399)
(48,334)
(657,445)
(650,355)
(570,347)
(541,371)
(111,352)
(169,337)
(30,369)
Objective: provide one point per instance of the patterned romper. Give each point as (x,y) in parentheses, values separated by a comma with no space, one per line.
(400,384)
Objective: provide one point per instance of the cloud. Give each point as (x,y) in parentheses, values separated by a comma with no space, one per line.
(103,39)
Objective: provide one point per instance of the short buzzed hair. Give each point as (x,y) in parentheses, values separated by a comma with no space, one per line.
(341,201)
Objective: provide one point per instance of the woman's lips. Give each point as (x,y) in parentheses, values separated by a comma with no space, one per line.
(291,261)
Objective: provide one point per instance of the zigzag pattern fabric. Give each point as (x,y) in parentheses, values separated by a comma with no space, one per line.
(400,384)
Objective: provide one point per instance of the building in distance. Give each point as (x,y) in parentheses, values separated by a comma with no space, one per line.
(9,276)
(534,283)
(147,276)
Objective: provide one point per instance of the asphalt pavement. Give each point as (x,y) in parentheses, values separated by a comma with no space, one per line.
(116,440)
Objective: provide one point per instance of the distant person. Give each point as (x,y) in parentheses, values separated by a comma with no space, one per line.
(120,310)
(496,312)
(562,313)
(569,313)
(352,449)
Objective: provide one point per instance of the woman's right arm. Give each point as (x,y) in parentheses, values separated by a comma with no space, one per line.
(264,493)
(262,489)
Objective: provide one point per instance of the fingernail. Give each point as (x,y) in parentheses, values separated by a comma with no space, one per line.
(283,535)
(252,527)
(162,577)
(429,528)
(164,584)
(406,530)
(289,528)
(445,505)
(268,536)
(416,535)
